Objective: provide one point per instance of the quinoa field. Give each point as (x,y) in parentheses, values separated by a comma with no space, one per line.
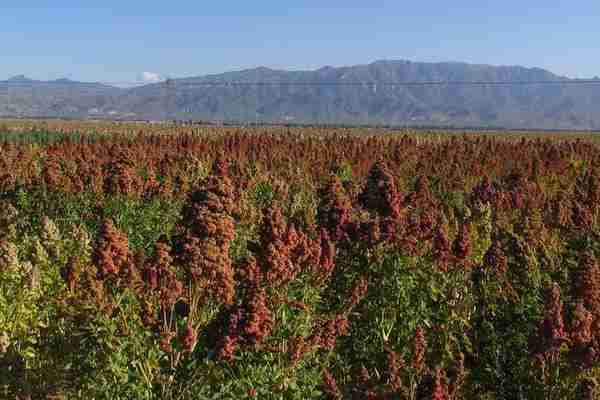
(157,261)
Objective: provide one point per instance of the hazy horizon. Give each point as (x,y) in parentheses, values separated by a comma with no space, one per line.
(151,79)
(134,41)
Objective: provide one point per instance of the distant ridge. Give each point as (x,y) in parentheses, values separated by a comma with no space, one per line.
(557,106)
(20,78)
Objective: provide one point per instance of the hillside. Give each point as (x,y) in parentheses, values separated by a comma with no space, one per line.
(327,95)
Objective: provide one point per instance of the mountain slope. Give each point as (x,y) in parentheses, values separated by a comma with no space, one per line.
(20,96)
(335,95)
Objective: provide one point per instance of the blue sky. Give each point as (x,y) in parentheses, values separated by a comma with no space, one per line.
(120,40)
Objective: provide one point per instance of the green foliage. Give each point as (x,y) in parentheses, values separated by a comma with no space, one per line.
(344,278)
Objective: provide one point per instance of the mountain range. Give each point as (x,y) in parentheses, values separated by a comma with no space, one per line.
(360,94)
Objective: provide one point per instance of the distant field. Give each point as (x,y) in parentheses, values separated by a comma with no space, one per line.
(162,261)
